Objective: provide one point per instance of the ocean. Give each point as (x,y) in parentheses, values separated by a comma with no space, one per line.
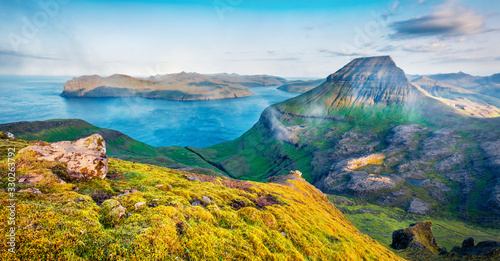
(153,121)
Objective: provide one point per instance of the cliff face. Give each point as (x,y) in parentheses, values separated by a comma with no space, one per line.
(181,87)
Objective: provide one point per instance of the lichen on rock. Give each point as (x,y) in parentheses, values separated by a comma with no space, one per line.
(85,158)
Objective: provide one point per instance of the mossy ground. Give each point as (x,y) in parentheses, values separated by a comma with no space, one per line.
(242,220)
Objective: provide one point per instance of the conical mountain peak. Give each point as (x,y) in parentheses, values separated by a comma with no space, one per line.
(363,68)
(363,82)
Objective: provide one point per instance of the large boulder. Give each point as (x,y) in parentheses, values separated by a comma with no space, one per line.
(85,158)
(417,237)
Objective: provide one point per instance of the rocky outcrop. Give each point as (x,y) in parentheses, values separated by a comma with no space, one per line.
(85,158)
(484,249)
(417,237)
(363,185)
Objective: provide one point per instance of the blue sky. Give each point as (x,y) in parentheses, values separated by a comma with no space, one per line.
(287,38)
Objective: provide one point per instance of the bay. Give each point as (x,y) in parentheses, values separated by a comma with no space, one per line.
(153,121)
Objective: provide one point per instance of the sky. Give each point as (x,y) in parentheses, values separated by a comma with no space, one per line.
(293,39)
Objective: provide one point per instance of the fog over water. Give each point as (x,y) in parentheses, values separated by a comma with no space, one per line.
(153,121)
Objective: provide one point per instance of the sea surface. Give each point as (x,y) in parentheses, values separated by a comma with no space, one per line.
(153,121)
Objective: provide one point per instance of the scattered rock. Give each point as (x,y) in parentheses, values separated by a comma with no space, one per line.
(192,178)
(403,136)
(112,211)
(283,234)
(159,186)
(31,178)
(417,237)
(206,199)
(196,203)
(85,158)
(31,190)
(152,205)
(417,206)
(467,243)
(7,135)
(139,204)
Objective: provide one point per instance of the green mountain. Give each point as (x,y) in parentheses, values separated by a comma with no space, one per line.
(368,133)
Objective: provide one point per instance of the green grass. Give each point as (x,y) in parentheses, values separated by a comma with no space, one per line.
(380,224)
(67,222)
(118,145)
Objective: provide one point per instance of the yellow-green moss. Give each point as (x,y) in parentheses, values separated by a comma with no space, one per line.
(66,224)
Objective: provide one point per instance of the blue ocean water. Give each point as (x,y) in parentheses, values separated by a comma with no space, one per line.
(153,121)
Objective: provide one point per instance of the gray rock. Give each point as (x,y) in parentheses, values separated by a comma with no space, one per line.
(439,145)
(402,137)
(417,206)
(449,162)
(139,204)
(85,158)
(196,203)
(30,178)
(206,199)
(366,184)
(192,178)
(31,190)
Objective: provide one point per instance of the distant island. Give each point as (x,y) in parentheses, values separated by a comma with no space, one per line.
(300,86)
(178,87)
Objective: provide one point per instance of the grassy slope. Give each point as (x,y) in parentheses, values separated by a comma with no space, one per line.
(379,222)
(66,224)
(119,145)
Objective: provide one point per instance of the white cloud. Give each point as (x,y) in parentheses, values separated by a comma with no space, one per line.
(437,46)
(448,19)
